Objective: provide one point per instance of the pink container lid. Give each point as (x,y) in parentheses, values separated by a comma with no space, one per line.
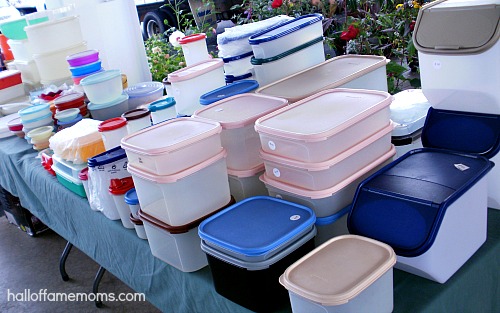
(195,70)
(112,124)
(120,186)
(247,173)
(240,110)
(84,174)
(192,38)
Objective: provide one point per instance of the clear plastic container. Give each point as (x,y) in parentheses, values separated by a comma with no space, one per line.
(112,131)
(103,87)
(137,119)
(54,35)
(194,48)
(162,110)
(238,65)
(143,93)
(246,184)
(112,109)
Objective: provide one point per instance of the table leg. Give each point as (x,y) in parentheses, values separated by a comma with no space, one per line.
(97,280)
(62,261)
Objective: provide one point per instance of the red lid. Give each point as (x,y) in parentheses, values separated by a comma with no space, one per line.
(84,174)
(121,186)
(192,38)
(136,114)
(15,124)
(112,124)
(72,100)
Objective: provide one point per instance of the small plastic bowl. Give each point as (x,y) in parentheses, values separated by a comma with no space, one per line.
(67,115)
(15,124)
(40,134)
(103,87)
(83,58)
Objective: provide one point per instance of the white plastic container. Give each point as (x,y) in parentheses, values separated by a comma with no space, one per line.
(189,83)
(11,93)
(194,48)
(237,116)
(69,168)
(28,69)
(143,93)
(52,66)
(112,131)
(21,49)
(137,119)
(173,146)
(346,71)
(246,184)
(110,109)
(133,202)
(278,39)
(322,126)
(238,65)
(346,274)
(118,188)
(183,197)
(38,122)
(139,227)
(103,87)
(289,62)
(162,110)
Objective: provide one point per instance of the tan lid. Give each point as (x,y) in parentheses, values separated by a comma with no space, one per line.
(338,270)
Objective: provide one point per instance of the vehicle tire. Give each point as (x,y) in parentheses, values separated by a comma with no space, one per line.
(153,23)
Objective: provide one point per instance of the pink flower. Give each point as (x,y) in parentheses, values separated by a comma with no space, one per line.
(351,33)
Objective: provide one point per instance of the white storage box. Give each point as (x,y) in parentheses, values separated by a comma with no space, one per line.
(345,274)
(278,39)
(328,201)
(331,226)
(11,93)
(52,66)
(324,125)
(347,71)
(289,62)
(189,83)
(246,184)
(118,188)
(237,116)
(173,146)
(183,197)
(28,69)
(238,65)
(458,49)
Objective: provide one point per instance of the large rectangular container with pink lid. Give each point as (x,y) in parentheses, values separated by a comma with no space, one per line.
(174,145)
(237,116)
(346,71)
(324,125)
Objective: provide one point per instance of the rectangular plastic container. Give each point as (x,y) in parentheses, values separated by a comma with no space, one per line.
(10,78)
(327,174)
(73,184)
(246,184)
(237,116)
(183,197)
(346,71)
(68,167)
(11,93)
(324,125)
(174,145)
(345,274)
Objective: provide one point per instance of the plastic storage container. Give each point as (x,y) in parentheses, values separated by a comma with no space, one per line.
(118,188)
(85,69)
(347,71)
(185,196)
(346,274)
(331,226)
(173,146)
(103,87)
(324,125)
(54,35)
(21,49)
(11,93)
(246,184)
(236,88)
(84,177)
(246,259)
(52,66)
(14,28)
(455,40)
(73,184)
(112,132)
(68,101)
(238,65)
(112,109)
(34,112)
(139,227)
(137,119)
(83,58)
(10,78)
(67,115)
(143,93)
(194,48)
(29,71)
(133,202)
(162,110)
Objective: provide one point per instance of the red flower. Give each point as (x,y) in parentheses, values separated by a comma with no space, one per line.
(351,33)
(276,4)
(412,25)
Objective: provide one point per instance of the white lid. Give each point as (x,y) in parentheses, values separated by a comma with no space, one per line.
(170,135)
(338,270)
(408,111)
(324,114)
(240,110)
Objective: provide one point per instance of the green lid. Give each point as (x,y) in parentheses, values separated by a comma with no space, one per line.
(255,61)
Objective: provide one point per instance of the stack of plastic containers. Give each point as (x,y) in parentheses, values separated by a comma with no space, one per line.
(83,64)
(11,85)
(143,93)
(317,150)
(34,117)
(67,174)
(23,60)
(39,137)
(237,116)
(72,101)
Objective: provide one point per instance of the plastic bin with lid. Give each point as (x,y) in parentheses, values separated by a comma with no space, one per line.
(73,184)
(103,87)
(346,274)
(237,116)
(346,71)
(455,41)
(221,93)
(173,146)
(34,112)
(67,167)
(246,184)
(162,110)
(112,131)
(246,259)
(137,119)
(324,125)
(185,196)
(118,187)
(238,64)
(194,48)
(143,93)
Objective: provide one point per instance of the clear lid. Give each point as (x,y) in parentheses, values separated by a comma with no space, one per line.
(34,109)
(408,111)
(100,77)
(143,89)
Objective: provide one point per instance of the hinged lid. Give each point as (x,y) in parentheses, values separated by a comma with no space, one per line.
(195,70)
(240,110)
(239,87)
(192,38)
(256,61)
(408,111)
(338,270)
(143,89)
(457,26)
(120,186)
(131,197)
(161,104)
(107,157)
(136,114)
(112,124)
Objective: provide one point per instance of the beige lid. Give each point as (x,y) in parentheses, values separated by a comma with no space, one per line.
(457,26)
(338,270)
(329,74)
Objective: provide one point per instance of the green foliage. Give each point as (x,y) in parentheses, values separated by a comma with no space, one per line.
(163,58)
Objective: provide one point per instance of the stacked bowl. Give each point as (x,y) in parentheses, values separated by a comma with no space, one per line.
(83,64)
(69,109)
(34,117)
(40,136)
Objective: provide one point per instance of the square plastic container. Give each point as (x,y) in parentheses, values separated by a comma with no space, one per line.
(278,39)
(331,226)
(173,146)
(246,184)
(345,274)
(185,196)
(71,183)
(346,71)
(67,167)
(237,116)
(322,126)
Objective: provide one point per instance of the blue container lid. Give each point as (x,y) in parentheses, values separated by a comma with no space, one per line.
(161,104)
(100,77)
(46,116)
(404,203)
(78,118)
(227,91)
(85,69)
(34,109)
(257,225)
(327,220)
(237,57)
(121,98)
(110,156)
(131,197)
(467,132)
(143,89)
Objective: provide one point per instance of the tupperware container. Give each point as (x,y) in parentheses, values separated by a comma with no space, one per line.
(40,134)
(114,108)
(112,131)
(162,110)
(331,226)
(143,93)
(103,87)
(13,93)
(238,65)
(278,39)
(34,112)
(246,259)
(168,197)
(246,184)
(14,28)
(324,125)
(189,83)
(345,274)
(139,227)
(62,125)
(118,188)
(15,125)
(221,93)
(194,48)
(67,115)
(133,202)
(10,78)
(46,160)
(237,116)
(84,177)
(83,58)
(137,119)
(68,181)
(52,66)
(68,101)
(45,120)
(21,49)
(173,146)
(29,71)
(67,167)
(85,69)
(302,57)
(78,79)
(347,71)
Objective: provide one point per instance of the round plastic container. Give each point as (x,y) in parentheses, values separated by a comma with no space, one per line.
(194,48)
(133,202)
(40,134)
(67,115)
(14,29)
(63,125)
(238,65)
(118,188)
(143,93)
(162,110)
(78,79)
(15,124)
(105,111)
(84,177)
(39,122)
(139,227)
(52,66)
(112,131)
(85,69)
(73,100)
(34,112)
(103,87)
(137,119)
(83,58)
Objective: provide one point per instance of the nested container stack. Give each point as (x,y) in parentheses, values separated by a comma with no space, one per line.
(11,85)
(83,64)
